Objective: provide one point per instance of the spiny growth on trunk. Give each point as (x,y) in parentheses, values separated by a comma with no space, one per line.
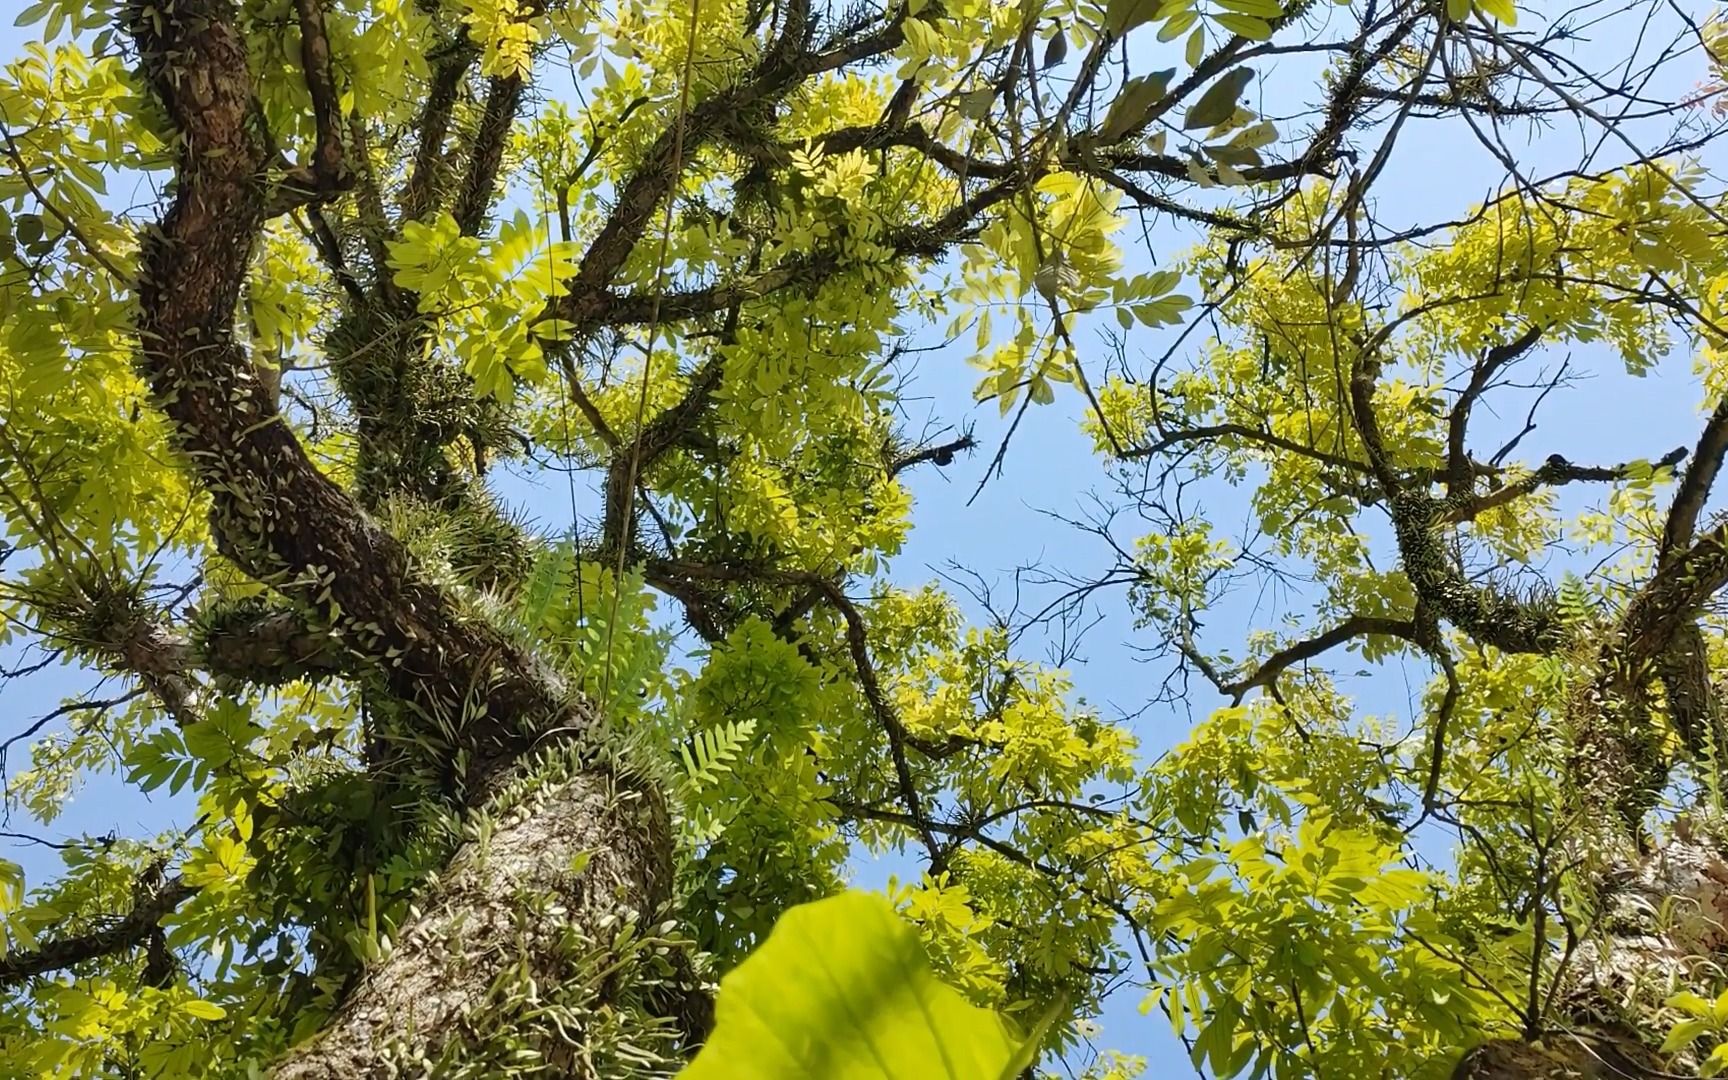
(464,801)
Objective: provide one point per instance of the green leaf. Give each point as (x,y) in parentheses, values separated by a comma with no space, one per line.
(553,329)
(1265,9)
(1499,9)
(1683,1034)
(1124,15)
(1165,312)
(1458,10)
(1234,155)
(551,570)
(1057,50)
(11,886)
(1137,98)
(203,1010)
(1196,46)
(976,104)
(1177,25)
(841,989)
(1688,1002)
(1245,25)
(709,753)
(1255,136)
(1151,1000)
(1218,103)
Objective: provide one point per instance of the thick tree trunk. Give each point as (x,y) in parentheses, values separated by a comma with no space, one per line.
(1664,928)
(533,945)
(508,959)
(1565,1058)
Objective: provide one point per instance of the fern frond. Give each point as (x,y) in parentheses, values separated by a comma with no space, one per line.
(710,753)
(551,570)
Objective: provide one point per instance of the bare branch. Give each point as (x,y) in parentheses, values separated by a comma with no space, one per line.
(1212,432)
(1555,472)
(1356,626)
(941,454)
(1459,476)
(68,709)
(474,197)
(1695,485)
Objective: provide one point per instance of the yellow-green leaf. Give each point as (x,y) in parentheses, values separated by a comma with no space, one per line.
(1246,26)
(1683,1034)
(1688,1002)
(203,1010)
(1218,103)
(841,989)
(1131,105)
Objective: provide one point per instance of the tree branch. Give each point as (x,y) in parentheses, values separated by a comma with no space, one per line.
(1695,485)
(783,64)
(67,709)
(327,157)
(941,454)
(1442,720)
(449,65)
(1485,614)
(1248,434)
(1354,627)
(1555,472)
(1459,475)
(661,434)
(128,932)
(474,197)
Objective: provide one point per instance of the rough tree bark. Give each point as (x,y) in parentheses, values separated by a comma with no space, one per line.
(595,845)
(593,849)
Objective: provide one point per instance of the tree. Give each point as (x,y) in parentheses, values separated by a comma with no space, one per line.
(469,804)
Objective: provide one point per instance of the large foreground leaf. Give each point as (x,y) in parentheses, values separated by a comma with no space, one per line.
(841,989)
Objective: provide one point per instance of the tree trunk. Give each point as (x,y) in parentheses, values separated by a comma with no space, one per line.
(1664,926)
(536,948)
(1565,1058)
(528,952)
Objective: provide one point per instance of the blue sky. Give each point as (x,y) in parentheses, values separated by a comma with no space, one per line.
(1438,171)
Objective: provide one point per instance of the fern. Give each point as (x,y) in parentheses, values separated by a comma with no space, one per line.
(700,827)
(1574,604)
(708,754)
(551,570)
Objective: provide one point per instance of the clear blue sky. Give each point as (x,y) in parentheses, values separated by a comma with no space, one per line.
(1438,171)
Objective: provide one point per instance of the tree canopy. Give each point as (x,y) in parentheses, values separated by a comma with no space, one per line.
(290,289)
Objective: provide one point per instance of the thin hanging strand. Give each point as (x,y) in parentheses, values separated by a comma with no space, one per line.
(648,356)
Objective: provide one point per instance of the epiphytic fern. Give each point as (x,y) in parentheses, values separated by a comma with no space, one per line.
(710,753)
